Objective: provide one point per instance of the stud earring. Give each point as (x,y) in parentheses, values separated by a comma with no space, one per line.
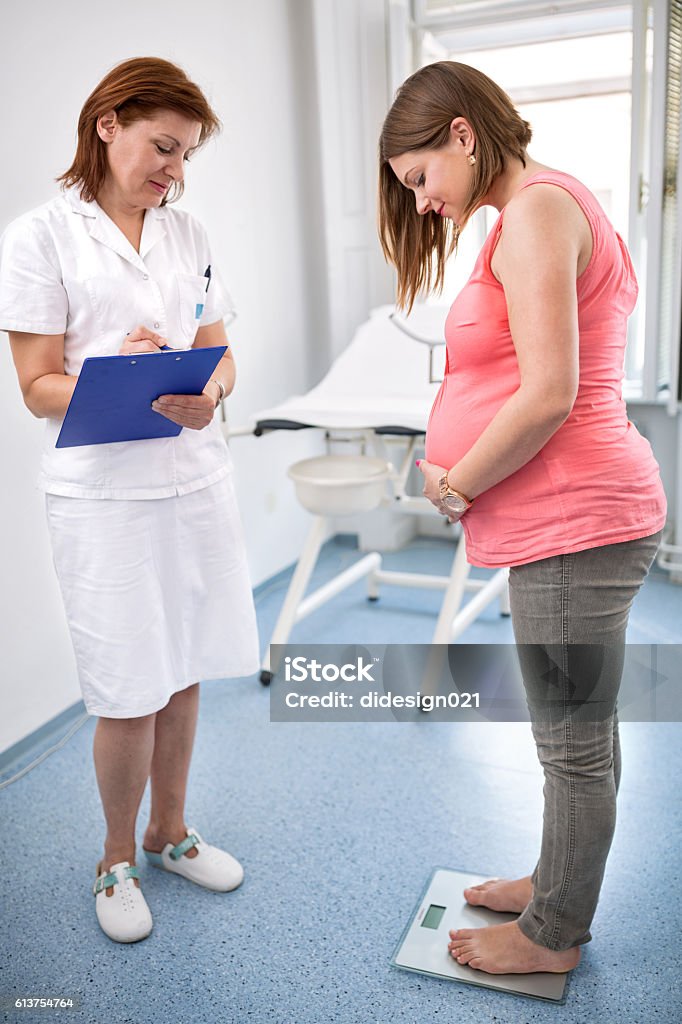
(472,159)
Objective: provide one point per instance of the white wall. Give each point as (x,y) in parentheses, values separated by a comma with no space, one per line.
(287,194)
(257,191)
(353,94)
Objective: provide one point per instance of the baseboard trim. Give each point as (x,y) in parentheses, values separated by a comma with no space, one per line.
(62,721)
(58,724)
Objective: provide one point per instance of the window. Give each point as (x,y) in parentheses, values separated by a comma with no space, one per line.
(603,106)
(581,126)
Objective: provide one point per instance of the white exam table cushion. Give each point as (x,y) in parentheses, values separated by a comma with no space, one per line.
(380,380)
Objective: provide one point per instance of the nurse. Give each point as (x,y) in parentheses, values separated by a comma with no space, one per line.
(146,536)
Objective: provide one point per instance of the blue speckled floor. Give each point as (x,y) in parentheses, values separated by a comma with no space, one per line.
(337,827)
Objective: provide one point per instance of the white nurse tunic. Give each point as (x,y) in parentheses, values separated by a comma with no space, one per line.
(146,534)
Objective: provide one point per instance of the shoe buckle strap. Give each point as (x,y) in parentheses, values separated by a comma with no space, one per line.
(110,880)
(187,843)
(105,882)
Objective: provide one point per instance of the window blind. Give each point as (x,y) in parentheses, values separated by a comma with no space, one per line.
(670,312)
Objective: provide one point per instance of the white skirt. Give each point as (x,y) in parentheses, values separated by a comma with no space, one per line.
(157,595)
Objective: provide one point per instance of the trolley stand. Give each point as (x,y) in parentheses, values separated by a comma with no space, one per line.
(295,608)
(451,621)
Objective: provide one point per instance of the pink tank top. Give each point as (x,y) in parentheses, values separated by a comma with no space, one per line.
(596,481)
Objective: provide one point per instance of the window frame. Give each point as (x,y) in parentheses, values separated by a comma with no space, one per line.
(486,24)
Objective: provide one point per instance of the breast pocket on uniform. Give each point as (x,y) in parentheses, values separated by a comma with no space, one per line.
(191,296)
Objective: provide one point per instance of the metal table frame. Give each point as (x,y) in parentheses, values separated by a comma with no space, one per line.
(453,619)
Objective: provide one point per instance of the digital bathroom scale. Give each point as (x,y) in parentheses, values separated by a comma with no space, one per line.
(423,946)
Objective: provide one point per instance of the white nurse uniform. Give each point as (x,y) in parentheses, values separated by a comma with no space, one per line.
(146,534)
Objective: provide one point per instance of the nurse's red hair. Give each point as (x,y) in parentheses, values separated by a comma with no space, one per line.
(136,89)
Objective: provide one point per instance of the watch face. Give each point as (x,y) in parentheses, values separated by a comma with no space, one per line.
(455,504)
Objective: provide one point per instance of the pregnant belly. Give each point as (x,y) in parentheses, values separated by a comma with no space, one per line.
(458,418)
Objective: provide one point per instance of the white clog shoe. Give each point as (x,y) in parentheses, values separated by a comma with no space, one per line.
(212,868)
(124,915)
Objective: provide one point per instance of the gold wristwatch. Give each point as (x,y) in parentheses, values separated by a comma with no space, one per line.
(453,501)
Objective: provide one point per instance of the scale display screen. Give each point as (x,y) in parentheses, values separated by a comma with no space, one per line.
(433,916)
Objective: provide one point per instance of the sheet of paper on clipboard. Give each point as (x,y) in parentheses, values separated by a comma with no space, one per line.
(113,398)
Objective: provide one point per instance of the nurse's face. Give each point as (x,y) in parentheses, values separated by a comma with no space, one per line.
(440,178)
(146,157)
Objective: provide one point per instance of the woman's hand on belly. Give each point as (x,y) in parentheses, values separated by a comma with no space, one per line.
(432,475)
(193,411)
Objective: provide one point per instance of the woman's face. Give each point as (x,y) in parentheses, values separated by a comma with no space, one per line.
(440,178)
(146,157)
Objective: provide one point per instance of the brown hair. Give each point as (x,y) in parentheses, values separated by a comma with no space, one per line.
(136,89)
(420,118)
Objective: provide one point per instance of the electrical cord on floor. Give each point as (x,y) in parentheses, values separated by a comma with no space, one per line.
(51,750)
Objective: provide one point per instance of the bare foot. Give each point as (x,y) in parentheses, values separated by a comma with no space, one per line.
(504,949)
(501,894)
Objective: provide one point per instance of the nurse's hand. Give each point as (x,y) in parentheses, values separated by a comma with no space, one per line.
(193,411)
(142,339)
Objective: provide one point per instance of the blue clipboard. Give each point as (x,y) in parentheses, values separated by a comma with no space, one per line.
(114,394)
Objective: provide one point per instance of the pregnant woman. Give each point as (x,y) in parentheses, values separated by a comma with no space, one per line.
(529,444)
(145,534)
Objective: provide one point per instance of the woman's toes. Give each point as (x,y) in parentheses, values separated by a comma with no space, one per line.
(472,891)
(477,894)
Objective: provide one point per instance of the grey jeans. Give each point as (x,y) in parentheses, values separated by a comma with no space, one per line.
(570,614)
